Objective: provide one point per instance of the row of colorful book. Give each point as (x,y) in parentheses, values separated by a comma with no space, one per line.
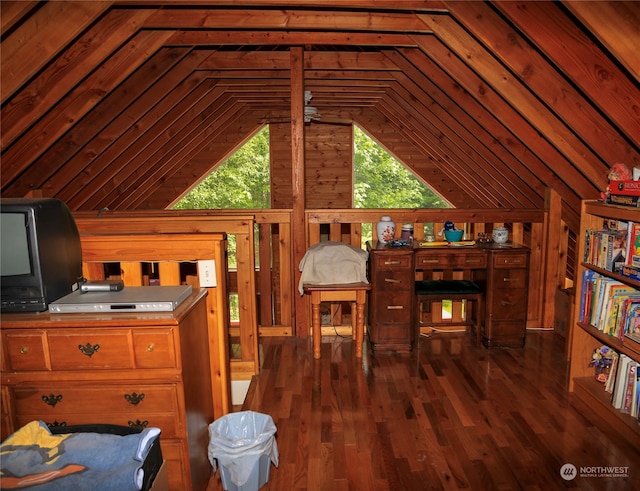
(615,247)
(611,306)
(624,385)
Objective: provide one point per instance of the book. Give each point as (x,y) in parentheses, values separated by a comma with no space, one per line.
(625,188)
(633,245)
(632,272)
(630,384)
(622,200)
(620,387)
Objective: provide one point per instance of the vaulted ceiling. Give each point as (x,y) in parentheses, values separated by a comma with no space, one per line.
(127,104)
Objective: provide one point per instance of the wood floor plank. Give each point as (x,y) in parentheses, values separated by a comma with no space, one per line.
(447,416)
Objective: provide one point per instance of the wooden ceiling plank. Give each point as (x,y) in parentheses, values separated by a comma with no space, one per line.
(504,124)
(579,59)
(202,37)
(13,12)
(65,72)
(474,187)
(176,154)
(145,135)
(478,59)
(462,122)
(79,102)
(91,142)
(467,141)
(248,60)
(544,81)
(43,40)
(616,24)
(285,19)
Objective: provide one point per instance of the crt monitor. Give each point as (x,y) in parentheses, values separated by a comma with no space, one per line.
(40,253)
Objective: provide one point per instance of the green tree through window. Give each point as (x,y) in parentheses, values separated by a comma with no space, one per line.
(380,181)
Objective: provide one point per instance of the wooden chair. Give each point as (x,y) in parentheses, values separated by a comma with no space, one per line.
(347,292)
(439,290)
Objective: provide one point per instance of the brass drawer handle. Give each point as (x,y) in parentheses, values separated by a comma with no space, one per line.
(24,350)
(89,349)
(134,398)
(473,261)
(389,280)
(151,347)
(139,425)
(509,279)
(392,262)
(52,399)
(395,307)
(56,424)
(508,303)
(430,261)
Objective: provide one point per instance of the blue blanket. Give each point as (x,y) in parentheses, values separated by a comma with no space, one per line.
(32,458)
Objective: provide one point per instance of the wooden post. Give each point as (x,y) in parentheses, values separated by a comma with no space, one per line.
(298,232)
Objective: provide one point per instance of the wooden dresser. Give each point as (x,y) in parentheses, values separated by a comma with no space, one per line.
(501,271)
(130,369)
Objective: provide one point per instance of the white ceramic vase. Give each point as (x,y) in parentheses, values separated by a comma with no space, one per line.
(385,230)
(500,235)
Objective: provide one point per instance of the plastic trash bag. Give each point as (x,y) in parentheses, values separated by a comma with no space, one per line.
(237,440)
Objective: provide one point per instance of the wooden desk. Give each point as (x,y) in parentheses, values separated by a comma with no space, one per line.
(349,292)
(500,270)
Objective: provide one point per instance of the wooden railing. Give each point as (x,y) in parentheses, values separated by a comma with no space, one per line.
(263,277)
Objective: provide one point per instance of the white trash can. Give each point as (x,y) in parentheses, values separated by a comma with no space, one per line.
(243,445)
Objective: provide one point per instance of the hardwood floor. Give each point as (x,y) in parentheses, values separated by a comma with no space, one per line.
(446,416)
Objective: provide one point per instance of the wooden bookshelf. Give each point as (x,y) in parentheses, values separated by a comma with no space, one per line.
(588,394)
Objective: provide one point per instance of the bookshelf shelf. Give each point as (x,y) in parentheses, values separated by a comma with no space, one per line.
(588,394)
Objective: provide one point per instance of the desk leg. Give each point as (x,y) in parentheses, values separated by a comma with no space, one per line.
(361,296)
(315,323)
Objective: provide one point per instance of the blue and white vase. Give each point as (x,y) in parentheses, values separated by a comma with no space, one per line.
(500,235)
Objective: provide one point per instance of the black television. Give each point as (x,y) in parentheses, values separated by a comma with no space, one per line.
(40,253)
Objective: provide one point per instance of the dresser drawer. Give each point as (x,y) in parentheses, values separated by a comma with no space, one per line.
(96,399)
(111,349)
(510,278)
(446,260)
(25,350)
(167,422)
(517,260)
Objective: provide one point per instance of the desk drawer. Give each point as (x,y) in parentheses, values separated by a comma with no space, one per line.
(510,278)
(449,260)
(389,280)
(517,260)
(392,261)
(393,307)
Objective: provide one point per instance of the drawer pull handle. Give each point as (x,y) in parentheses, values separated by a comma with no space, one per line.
(151,347)
(134,398)
(508,303)
(52,399)
(473,261)
(510,279)
(89,349)
(389,280)
(392,262)
(139,425)
(24,350)
(395,307)
(430,261)
(55,424)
